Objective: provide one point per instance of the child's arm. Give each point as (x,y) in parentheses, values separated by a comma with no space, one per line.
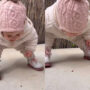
(31,43)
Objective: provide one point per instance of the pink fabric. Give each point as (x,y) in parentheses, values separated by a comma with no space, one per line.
(48,51)
(72,15)
(12,16)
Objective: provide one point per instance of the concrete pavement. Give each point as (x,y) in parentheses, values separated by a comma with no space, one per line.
(16,74)
(69,72)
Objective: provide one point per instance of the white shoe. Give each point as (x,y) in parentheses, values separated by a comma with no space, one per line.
(47,61)
(35,65)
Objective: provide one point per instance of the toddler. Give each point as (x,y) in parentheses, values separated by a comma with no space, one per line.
(67,19)
(17,31)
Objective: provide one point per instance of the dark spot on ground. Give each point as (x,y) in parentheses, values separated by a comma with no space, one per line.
(72,70)
(21,86)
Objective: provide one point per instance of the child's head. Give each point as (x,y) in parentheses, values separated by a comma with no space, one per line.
(12,17)
(12,36)
(72,15)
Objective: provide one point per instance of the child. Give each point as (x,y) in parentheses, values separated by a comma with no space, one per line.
(67,19)
(17,31)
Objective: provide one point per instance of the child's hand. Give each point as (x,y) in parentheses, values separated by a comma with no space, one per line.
(28,54)
(47,51)
(88,42)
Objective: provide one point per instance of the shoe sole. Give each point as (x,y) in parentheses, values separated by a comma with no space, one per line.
(37,69)
(48,65)
(85,57)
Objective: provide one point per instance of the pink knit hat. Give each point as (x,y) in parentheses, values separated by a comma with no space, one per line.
(72,15)
(12,16)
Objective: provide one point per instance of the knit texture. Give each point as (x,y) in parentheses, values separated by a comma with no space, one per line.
(12,16)
(72,15)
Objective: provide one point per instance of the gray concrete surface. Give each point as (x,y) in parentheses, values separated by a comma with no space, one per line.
(69,72)
(16,74)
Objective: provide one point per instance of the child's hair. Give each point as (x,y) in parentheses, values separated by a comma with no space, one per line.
(15,1)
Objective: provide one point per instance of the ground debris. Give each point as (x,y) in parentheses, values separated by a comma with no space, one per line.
(72,70)
(21,86)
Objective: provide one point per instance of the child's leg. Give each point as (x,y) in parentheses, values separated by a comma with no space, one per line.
(87,51)
(49,39)
(0,52)
(86,37)
(1,49)
(81,43)
(32,61)
(0,61)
